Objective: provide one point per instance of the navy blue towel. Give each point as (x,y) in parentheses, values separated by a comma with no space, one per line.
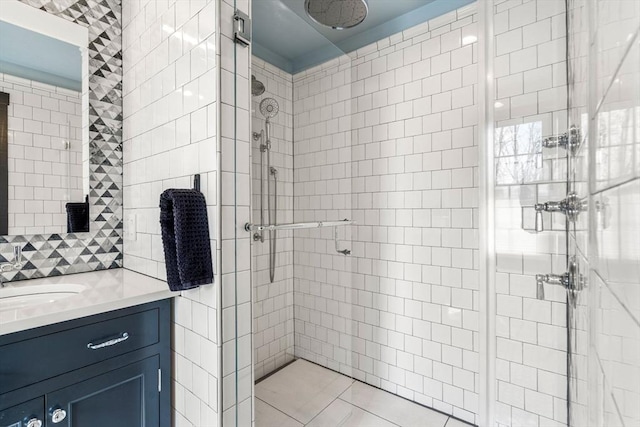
(185,237)
(78,216)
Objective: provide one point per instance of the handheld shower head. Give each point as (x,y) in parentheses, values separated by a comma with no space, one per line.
(269,108)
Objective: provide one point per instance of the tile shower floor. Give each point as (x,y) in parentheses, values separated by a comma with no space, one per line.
(305,394)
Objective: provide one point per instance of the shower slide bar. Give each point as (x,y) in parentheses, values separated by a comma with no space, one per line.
(297,226)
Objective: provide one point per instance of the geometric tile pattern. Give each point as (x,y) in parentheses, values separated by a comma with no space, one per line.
(101,248)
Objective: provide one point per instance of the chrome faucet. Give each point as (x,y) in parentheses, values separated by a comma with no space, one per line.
(15,264)
(17,257)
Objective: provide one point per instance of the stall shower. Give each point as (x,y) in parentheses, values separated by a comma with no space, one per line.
(444,213)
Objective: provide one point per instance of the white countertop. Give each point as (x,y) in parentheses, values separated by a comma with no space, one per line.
(102,291)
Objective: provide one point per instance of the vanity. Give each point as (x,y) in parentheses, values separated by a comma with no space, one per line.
(84,342)
(99,355)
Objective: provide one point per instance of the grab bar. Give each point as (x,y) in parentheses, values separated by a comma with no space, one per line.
(297,226)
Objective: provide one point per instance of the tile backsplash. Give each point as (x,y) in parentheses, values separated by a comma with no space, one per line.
(101,248)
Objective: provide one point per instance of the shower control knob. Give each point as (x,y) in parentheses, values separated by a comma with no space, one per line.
(539,221)
(551,279)
(573,281)
(571,207)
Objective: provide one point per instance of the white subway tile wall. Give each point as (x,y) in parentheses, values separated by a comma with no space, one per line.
(43,173)
(170,128)
(386,137)
(273,302)
(531,103)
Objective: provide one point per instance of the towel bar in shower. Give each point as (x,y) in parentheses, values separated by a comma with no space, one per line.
(297,226)
(301,225)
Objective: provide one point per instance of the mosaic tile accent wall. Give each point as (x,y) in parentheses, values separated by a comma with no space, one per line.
(58,254)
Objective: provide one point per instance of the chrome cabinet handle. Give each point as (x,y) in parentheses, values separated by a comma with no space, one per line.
(34,422)
(109,343)
(58,415)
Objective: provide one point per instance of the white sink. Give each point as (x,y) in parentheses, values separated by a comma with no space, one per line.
(18,296)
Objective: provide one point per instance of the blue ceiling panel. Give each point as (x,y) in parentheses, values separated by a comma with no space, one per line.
(286,37)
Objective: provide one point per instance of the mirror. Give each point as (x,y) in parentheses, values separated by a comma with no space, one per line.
(44,133)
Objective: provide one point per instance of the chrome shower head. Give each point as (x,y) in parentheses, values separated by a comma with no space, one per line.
(257,87)
(337,14)
(269,107)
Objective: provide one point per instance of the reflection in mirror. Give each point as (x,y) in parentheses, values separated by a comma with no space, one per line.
(44,80)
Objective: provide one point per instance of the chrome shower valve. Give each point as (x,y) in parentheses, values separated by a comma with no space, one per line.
(571,207)
(573,281)
(569,140)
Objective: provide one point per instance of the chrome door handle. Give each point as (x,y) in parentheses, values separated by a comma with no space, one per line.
(109,343)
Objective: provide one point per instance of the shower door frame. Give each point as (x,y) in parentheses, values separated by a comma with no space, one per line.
(486,176)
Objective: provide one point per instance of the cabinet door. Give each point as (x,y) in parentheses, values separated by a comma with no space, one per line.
(29,414)
(125,397)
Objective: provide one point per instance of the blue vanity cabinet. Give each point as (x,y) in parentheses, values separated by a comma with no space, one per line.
(107,370)
(27,414)
(127,396)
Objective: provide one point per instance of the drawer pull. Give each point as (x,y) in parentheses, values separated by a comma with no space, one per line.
(109,343)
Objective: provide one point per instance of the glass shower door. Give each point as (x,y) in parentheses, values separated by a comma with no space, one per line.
(527,182)
(604,243)
(562,300)
(233,124)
